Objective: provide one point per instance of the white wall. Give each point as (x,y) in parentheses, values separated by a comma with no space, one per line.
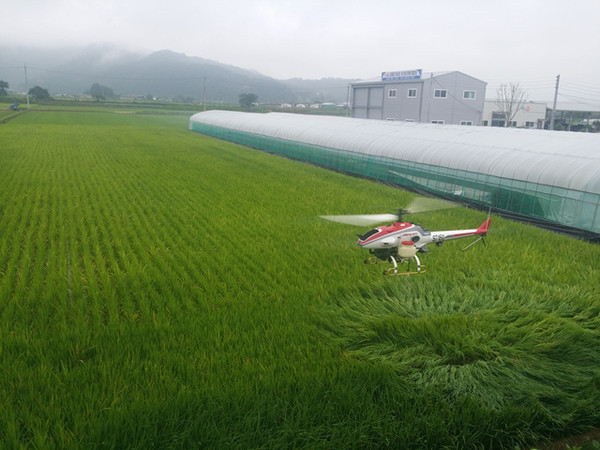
(528,117)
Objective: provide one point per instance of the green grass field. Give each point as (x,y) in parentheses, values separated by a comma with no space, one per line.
(161,289)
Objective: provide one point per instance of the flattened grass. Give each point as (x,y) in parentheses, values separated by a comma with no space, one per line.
(162,289)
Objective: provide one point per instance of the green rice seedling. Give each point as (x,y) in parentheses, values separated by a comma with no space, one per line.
(162,289)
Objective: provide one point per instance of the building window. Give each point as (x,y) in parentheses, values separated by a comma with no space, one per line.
(412,93)
(529,124)
(469,95)
(466,122)
(498,119)
(392,93)
(440,93)
(439,122)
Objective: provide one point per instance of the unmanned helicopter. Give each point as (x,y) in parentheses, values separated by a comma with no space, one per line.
(400,241)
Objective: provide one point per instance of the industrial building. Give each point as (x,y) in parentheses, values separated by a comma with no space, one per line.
(531,115)
(414,96)
(569,116)
(547,176)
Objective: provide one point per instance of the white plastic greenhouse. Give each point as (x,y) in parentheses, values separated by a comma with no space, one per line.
(544,175)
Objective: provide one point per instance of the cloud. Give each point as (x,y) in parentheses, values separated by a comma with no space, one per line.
(513,40)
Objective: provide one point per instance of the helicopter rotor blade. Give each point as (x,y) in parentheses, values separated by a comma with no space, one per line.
(423,204)
(363,219)
(417,205)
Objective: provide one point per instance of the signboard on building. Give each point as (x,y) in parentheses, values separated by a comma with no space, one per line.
(402,75)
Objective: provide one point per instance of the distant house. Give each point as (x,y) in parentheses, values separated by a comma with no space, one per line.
(413,96)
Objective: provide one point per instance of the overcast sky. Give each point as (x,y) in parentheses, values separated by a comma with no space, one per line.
(525,41)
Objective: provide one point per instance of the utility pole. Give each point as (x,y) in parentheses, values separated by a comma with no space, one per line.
(551,126)
(347,100)
(204,94)
(26,86)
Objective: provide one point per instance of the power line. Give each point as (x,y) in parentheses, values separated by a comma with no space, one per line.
(581,95)
(588,86)
(588,92)
(582,101)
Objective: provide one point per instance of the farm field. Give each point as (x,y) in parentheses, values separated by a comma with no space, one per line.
(159,288)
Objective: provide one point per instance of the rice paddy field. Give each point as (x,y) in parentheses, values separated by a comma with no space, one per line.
(162,289)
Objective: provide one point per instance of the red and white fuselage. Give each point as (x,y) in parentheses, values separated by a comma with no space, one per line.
(392,236)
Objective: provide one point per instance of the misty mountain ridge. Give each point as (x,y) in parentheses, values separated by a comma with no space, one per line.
(161,74)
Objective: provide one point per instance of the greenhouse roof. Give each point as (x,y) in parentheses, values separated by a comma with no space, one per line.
(553,158)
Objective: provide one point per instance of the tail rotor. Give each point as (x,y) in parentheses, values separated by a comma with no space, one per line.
(482,231)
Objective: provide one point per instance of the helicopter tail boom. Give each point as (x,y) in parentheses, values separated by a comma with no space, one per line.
(482,230)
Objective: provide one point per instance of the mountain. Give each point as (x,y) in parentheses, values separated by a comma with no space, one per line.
(162,74)
(325,90)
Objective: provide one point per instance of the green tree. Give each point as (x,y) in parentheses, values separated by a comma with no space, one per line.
(100,92)
(3,87)
(39,93)
(247,100)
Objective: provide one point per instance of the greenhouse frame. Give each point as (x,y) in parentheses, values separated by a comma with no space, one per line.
(547,176)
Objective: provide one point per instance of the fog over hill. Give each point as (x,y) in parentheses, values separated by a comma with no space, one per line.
(162,74)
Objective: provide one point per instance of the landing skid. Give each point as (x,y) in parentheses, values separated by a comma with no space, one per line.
(393,271)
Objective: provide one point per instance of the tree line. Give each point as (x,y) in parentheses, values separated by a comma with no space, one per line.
(97,91)
(37,92)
